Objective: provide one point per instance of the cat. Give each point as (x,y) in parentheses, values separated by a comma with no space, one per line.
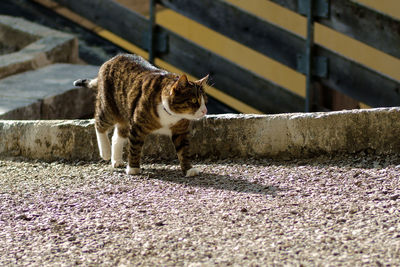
(137,98)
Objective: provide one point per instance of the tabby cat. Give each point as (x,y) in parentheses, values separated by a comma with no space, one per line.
(137,99)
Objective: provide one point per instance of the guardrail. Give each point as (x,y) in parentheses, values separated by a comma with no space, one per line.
(324,68)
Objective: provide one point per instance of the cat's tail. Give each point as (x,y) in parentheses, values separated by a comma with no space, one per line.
(88,83)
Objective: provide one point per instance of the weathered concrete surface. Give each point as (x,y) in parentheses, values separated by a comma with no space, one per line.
(222,136)
(36,46)
(300,134)
(47,93)
(48,140)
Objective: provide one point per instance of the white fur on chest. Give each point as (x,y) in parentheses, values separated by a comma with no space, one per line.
(166,121)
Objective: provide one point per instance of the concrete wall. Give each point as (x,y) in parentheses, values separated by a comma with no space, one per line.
(222,136)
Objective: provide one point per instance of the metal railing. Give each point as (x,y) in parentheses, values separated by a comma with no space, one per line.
(324,68)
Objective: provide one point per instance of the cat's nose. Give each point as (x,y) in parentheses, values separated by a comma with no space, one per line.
(204,111)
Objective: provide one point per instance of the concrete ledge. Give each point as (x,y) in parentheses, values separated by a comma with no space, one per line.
(222,136)
(36,46)
(48,140)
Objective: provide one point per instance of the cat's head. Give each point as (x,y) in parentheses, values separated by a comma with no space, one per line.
(187,99)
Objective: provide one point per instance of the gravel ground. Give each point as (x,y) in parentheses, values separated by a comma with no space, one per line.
(323,211)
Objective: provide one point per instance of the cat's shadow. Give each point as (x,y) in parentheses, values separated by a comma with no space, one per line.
(212,180)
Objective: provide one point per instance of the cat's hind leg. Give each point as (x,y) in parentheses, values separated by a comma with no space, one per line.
(104,144)
(119,140)
(103,126)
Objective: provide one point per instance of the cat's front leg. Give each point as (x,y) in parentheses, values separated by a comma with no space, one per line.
(181,143)
(136,141)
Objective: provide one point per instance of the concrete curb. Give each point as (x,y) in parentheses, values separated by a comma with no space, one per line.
(222,136)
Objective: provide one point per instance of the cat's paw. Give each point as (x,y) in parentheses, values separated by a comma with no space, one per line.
(132,171)
(117,163)
(192,172)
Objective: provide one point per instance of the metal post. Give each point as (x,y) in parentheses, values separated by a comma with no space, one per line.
(152,31)
(309,55)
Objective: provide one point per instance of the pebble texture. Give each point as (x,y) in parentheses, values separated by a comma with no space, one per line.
(325,211)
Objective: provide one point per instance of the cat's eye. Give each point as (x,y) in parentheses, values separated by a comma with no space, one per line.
(194,100)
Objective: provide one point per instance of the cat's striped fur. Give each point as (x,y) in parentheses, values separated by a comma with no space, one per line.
(137,99)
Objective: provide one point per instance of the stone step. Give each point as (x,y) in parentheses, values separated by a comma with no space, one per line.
(47,93)
(31,46)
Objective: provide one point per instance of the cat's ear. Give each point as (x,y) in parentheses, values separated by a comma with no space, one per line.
(180,83)
(203,81)
(183,81)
